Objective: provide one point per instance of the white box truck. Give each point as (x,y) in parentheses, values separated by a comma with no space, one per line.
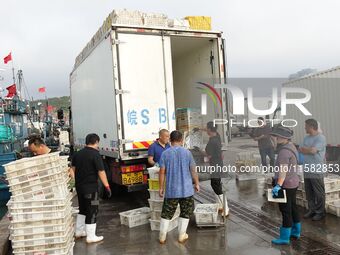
(324,106)
(128,82)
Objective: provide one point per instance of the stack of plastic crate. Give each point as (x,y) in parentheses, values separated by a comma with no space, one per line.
(40,208)
(156,202)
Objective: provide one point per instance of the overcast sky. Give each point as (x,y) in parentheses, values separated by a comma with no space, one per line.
(265,38)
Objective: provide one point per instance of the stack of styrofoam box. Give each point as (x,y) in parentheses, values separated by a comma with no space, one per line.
(155,20)
(188,119)
(179,23)
(156,204)
(126,17)
(40,208)
(136,217)
(246,159)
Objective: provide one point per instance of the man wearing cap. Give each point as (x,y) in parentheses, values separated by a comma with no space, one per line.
(313,149)
(286,178)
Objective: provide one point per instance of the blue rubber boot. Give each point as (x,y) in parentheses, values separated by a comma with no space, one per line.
(296,230)
(284,236)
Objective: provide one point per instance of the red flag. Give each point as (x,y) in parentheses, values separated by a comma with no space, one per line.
(8,58)
(12,91)
(50,108)
(42,90)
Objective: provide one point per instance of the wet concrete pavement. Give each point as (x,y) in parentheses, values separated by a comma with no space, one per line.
(252,224)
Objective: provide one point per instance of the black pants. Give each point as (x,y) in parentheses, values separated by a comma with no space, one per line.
(216,185)
(267,152)
(289,210)
(315,193)
(88,206)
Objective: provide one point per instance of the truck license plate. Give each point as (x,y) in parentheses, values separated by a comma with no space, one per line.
(132,178)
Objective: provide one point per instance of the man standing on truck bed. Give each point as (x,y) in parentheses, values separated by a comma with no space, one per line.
(156,149)
(313,149)
(87,165)
(178,165)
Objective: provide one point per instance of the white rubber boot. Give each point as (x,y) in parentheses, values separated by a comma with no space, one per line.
(220,202)
(91,234)
(80,226)
(182,229)
(163,230)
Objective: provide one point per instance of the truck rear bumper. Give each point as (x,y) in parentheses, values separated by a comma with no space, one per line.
(136,187)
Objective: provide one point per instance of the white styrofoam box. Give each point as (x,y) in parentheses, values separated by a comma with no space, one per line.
(136,217)
(153,172)
(155,20)
(127,17)
(206,213)
(39,184)
(58,190)
(155,224)
(179,23)
(155,204)
(35,172)
(64,138)
(156,214)
(333,208)
(25,163)
(154,195)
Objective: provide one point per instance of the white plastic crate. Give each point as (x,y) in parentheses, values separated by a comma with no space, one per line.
(179,23)
(136,217)
(156,224)
(206,213)
(155,204)
(40,184)
(33,173)
(26,163)
(127,17)
(58,190)
(333,208)
(62,249)
(48,248)
(154,195)
(47,208)
(46,234)
(330,195)
(42,229)
(32,243)
(153,172)
(245,156)
(27,204)
(60,212)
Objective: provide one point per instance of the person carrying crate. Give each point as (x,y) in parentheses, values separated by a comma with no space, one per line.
(177,164)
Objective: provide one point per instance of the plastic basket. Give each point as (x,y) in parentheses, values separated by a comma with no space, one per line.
(154,195)
(29,204)
(136,217)
(155,204)
(46,246)
(58,190)
(31,162)
(206,213)
(334,208)
(153,184)
(153,172)
(155,224)
(34,172)
(67,249)
(42,229)
(38,184)
(31,243)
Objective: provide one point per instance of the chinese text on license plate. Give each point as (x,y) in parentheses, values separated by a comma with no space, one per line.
(131,178)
